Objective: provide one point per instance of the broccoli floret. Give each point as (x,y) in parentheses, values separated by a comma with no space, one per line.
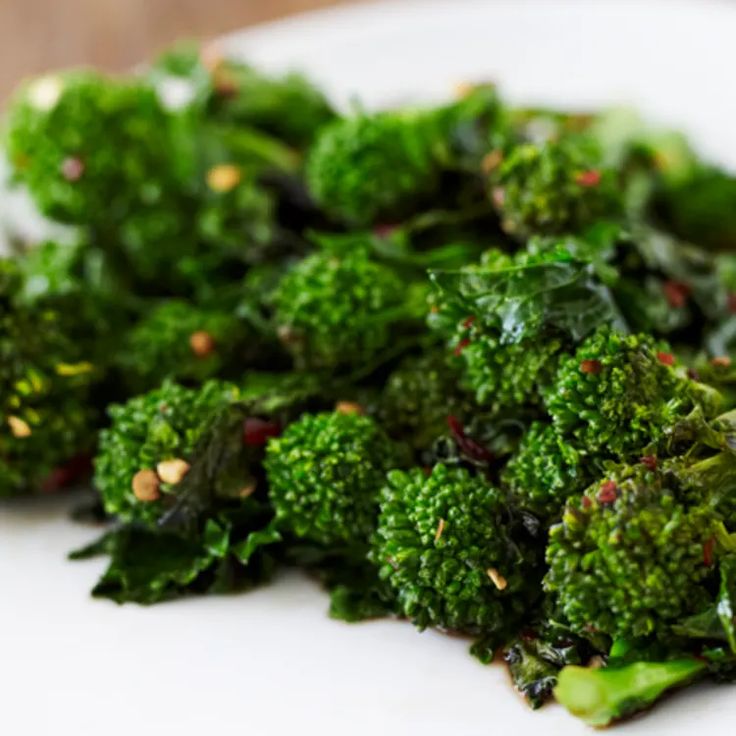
(333,311)
(76,281)
(325,473)
(446,545)
(236,213)
(507,320)
(289,106)
(87,146)
(146,452)
(184,342)
(620,393)
(373,167)
(418,397)
(600,696)
(46,414)
(545,471)
(553,187)
(630,557)
(505,374)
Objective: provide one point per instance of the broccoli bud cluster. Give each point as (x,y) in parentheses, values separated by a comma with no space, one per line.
(335,311)
(545,470)
(183,342)
(146,452)
(619,393)
(630,557)
(418,397)
(503,374)
(553,187)
(47,419)
(445,544)
(373,167)
(85,144)
(325,473)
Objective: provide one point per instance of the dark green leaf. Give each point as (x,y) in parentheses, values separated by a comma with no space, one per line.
(524,301)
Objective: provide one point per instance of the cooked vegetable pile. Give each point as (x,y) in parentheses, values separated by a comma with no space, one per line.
(469,365)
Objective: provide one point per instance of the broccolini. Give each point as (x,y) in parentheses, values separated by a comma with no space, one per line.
(419,352)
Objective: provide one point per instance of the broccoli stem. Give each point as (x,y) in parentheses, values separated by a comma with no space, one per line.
(600,696)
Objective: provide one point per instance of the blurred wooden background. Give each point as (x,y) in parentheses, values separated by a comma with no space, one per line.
(37,35)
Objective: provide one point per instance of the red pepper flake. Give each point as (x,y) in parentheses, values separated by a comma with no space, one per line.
(455,426)
(666,358)
(473,450)
(385,230)
(257,431)
(461,345)
(608,492)
(591,366)
(731,302)
(468,321)
(586,502)
(721,361)
(676,293)
(70,472)
(708,549)
(649,462)
(590,178)
(72,168)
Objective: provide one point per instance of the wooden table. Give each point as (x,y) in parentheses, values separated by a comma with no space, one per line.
(38,35)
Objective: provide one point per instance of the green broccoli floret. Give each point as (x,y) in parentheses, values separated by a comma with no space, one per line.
(620,394)
(545,471)
(87,146)
(510,318)
(600,696)
(236,214)
(505,374)
(373,167)
(631,556)
(333,311)
(147,451)
(553,187)
(76,280)
(325,473)
(184,342)
(417,398)
(289,106)
(446,545)
(46,414)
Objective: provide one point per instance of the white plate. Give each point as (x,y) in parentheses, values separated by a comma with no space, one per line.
(270,663)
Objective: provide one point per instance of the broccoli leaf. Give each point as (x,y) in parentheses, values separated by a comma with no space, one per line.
(147,566)
(533,676)
(244,550)
(150,565)
(717,622)
(524,301)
